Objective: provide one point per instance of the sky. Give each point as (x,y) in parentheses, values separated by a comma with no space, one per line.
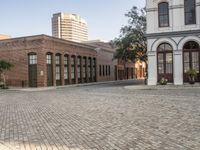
(32,17)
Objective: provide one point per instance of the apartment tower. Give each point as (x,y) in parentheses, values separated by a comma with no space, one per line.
(69,27)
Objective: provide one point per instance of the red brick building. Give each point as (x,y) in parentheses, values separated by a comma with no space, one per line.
(43,60)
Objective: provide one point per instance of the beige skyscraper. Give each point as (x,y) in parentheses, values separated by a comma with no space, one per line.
(69,27)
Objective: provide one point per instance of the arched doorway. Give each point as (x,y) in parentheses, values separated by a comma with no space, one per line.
(191,59)
(165,62)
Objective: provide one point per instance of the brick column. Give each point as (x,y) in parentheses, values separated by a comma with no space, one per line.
(40,70)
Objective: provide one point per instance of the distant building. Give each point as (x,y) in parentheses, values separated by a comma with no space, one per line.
(105,54)
(173,39)
(69,27)
(3,37)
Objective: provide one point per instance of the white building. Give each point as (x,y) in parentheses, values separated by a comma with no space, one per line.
(173,39)
(69,27)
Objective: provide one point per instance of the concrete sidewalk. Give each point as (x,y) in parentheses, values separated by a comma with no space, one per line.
(163,87)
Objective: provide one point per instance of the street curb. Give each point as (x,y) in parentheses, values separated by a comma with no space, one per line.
(162,87)
(68,86)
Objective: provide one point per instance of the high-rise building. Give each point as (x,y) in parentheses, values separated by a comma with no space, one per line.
(69,27)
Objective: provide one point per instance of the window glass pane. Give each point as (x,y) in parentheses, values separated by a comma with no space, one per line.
(160,63)
(190,12)
(65,72)
(73,72)
(49,58)
(66,60)
(163,12)
(57,72)
(79,61)
(169,63)
(186,57)
(195,61)
(57,59)
(186,61)
(79,72)
(161,68)
(186,66)
(191,45)
(160,58)
(72,60)
(32,59)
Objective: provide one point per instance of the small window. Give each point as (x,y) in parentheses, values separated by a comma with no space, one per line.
(163,14)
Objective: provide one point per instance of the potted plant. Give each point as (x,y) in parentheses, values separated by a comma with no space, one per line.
(192,73)
(163,81)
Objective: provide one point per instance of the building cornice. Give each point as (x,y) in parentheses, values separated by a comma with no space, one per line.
(172,34)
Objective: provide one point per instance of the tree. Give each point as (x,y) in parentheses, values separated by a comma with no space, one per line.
(131,44)
(4,66)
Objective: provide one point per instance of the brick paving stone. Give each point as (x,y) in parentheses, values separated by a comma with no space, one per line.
(100,117)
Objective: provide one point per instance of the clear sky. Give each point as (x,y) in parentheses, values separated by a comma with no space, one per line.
(31,17)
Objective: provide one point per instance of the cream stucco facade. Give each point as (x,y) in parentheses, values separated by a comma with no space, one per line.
(176,34)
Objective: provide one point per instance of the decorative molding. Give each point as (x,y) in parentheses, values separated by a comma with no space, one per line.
(177,52)
(151,53)
(173,34)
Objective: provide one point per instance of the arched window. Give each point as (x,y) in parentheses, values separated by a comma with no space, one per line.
(49,61)
(191,59)
(84,69)
(32,69)
(58,69)
(163,14)
(94,69)
(66,69)
(165,62)
(73,69)
(190,12)
(79,68)
(90,69)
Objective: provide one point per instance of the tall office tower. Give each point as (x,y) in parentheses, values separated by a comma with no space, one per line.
(69,27)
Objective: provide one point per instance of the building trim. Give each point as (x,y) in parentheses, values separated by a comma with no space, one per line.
(172,34)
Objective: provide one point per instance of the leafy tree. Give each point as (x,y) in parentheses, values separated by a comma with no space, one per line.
(4,66)
(131,44)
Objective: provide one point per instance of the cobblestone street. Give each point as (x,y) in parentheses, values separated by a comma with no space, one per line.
(100,117)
